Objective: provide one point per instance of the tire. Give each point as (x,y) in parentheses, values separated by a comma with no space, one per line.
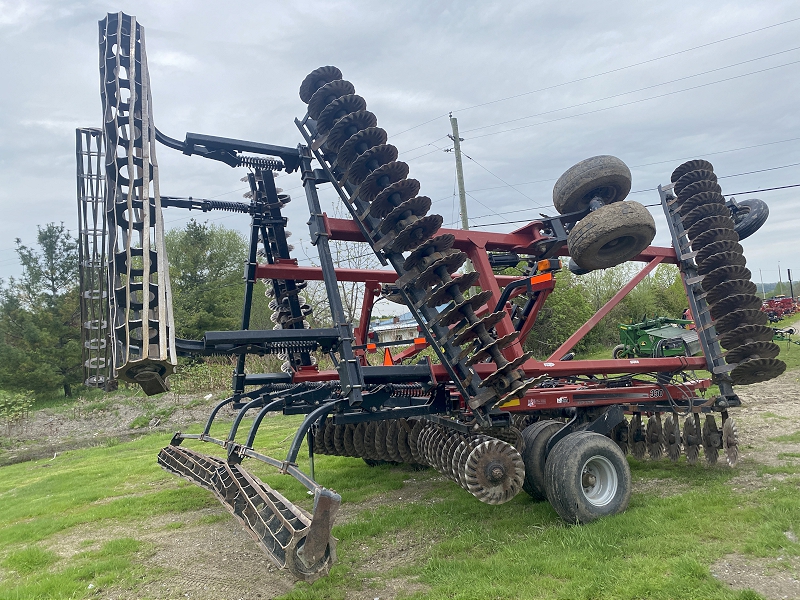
(749,216)
(611,235)
(586,452)
(576,270)
(536,437)
(619,351)
(604,176)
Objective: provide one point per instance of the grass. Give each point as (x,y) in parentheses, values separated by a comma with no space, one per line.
(791,437)
(659,548)
(152,412)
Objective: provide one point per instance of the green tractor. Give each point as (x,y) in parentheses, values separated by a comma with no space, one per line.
(656,337)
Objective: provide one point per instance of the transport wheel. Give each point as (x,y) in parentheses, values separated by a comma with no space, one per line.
(587,477)
(749,216)
(536,437)
(619,351)
(611,235)
(604,177)
(575,269)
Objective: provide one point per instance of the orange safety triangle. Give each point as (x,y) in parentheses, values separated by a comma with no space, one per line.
(387,358)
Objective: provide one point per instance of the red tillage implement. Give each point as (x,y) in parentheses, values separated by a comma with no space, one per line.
(484,412)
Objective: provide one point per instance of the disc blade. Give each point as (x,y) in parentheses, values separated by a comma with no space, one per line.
(757,370)
(751,351)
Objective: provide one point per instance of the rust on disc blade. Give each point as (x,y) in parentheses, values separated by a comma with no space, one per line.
(337,109)
(358,143)
(746,334)
(709,223)
(697,187)
(442,294)
(700,199)
(393,195)
(327,94)
(728,288)
(714,235)
(752,350)
(717,247)
(316,79)
(347,126)
(362,166)
(380,179)
(737,318)
(689,166)
(703,211)
(720,259)
(734,302)
(726,273)
(757,370)
(693,177)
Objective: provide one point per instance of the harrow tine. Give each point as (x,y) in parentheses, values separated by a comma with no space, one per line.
(291,538)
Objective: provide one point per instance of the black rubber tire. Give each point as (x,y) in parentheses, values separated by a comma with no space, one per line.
(619,352)
(750,215)
(576,270)
(611,235)
(536,437)
(604,176)
(564,477)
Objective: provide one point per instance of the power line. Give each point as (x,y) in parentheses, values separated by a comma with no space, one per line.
(782,187)
(657,96)
(649,87)
(498,177)
(616,70)
(665,94)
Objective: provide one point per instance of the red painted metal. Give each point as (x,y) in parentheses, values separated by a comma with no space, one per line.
(587,327)
(522,240)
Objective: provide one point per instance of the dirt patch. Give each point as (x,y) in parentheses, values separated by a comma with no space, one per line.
(206,555)
(414,491)
(774,578)
(768,410)
(109,421)
(663,488)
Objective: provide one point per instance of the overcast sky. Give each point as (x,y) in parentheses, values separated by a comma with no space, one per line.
(235,71)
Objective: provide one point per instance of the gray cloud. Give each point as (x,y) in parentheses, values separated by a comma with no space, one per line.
(235,71)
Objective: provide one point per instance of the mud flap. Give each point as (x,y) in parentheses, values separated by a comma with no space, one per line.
(291,538)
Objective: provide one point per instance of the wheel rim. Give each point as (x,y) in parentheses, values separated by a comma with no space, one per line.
(599,480)
(615,245)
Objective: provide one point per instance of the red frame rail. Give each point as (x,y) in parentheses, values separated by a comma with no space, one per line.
(476,244)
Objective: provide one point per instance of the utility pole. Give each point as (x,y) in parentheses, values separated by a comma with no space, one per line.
(462,194)
(791,289)
(763,292)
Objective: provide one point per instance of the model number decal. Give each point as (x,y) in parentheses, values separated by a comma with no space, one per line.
(656,393)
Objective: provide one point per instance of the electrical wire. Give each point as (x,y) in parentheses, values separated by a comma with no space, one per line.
(649,87)
(657,96)
(610,71)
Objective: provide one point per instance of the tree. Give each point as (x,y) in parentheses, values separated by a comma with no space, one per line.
(40,314)
(564,311)
(206,263)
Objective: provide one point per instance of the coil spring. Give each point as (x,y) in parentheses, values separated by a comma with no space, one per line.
(258,162)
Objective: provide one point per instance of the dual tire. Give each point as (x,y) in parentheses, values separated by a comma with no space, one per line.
(585,476)
(613,233)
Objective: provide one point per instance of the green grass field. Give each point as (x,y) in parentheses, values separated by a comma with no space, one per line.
(661,547)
